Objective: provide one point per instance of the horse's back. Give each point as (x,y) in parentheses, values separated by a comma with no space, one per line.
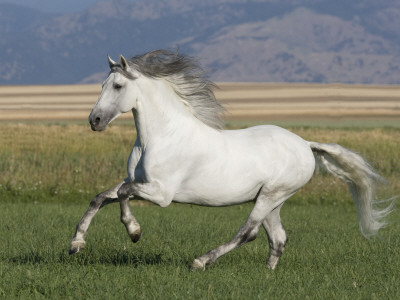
(273,141)
(275,151)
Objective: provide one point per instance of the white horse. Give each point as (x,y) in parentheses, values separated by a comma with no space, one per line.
(181,154)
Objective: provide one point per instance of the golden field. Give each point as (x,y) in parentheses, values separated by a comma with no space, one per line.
(244,101)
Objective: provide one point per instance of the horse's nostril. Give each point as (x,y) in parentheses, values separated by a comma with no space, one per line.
(97,120)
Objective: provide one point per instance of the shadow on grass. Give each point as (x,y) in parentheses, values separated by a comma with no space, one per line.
(117,258)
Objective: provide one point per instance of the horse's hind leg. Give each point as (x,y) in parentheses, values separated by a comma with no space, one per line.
(276,236)
(109,196)
(131,225)
(247,233)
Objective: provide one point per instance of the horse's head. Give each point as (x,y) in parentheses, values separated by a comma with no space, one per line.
(118,95)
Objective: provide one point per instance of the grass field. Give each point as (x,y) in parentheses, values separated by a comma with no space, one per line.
(49,173)
(326,257)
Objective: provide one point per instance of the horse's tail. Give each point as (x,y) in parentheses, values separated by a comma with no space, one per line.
(361,180)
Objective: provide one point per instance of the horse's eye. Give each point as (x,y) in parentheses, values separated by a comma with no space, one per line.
(117,86)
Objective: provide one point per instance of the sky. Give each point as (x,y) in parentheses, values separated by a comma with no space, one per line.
(54,6)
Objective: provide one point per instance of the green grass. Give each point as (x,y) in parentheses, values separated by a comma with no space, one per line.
(49,173)
(325,258)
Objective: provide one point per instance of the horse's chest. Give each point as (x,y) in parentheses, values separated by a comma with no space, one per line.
(135,168)
(143,166)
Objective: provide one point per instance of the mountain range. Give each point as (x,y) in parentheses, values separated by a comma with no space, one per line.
(321,41)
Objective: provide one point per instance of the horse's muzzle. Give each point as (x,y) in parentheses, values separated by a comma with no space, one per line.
(97,123)
(94,124)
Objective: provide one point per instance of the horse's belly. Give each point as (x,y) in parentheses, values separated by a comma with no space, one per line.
(218,194)
(221,183)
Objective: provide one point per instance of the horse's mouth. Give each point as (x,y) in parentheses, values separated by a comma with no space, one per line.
(97,127)
(97,121)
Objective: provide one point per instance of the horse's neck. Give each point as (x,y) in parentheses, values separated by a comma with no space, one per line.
(161,117)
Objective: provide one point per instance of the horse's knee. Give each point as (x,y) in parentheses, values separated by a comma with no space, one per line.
(125,190)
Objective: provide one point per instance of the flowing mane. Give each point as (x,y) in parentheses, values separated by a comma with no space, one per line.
(188,80)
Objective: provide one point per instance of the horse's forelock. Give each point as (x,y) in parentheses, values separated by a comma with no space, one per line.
(118,69)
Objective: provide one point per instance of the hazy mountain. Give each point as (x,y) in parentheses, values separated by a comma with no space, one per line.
(301,46)
(238,40)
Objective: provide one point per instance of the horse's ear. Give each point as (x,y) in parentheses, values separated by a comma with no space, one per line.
(110,61)
(123,63)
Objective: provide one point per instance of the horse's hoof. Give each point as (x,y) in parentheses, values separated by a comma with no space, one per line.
(272,262)
(76,246)
(135,236)
(197,265)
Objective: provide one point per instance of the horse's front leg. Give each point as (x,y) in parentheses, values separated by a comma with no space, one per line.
(104,198)
(148,191)
(131,225)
